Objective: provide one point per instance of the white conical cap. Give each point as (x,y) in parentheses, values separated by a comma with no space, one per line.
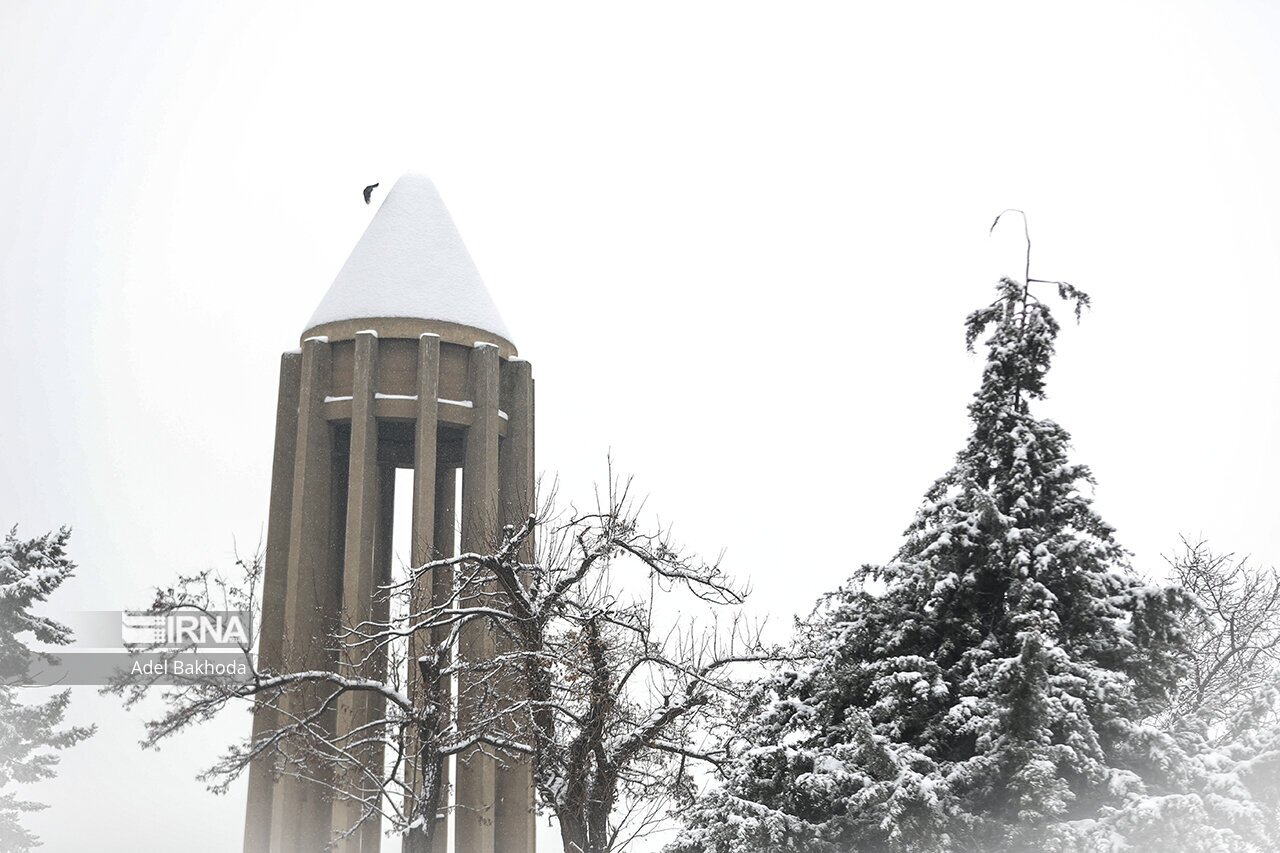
(411,262)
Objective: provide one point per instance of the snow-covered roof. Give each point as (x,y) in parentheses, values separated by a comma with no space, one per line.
(411,262)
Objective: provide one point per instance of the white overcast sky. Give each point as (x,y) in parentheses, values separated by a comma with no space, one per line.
(736,240)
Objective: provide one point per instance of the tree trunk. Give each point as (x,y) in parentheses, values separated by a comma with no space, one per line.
(573,832)
(426,803)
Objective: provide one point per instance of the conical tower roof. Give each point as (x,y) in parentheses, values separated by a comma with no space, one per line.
(411,263)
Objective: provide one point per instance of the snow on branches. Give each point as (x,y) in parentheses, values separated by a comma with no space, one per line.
(998,684)
(593,679)
(30,570)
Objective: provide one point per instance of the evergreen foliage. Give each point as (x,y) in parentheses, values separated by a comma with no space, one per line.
(29,733)
(999,685)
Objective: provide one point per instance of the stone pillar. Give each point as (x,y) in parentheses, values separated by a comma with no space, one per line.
(446,525)
(423,535)
(358,581)
(514,816)
(474,817)
(383,552)
(300,821)
(257,826)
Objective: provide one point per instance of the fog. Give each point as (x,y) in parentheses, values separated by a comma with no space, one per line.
(737,242)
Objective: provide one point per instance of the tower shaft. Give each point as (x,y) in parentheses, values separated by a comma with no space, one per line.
(357,403)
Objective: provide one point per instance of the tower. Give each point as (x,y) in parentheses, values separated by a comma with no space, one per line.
(406,363)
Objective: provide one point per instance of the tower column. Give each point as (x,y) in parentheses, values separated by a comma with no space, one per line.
(514,818)
(383,551)
(358,581)
(300,822)
(257,827)
(441,593)
(424,550)
(475,768)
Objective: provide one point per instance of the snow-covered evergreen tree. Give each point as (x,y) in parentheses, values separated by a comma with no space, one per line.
(995,686)
(29,733)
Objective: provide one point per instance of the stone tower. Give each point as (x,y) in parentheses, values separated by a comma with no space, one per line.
(405,364)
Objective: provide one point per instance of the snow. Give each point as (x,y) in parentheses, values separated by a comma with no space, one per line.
(935,711)
(829,765)
(411,262)
(466,404)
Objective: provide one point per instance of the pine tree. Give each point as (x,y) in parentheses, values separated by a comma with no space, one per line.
(29,733)
(994,686)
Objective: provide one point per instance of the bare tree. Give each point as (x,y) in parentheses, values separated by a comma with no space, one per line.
(600,677)
(1234,635)
(616,706)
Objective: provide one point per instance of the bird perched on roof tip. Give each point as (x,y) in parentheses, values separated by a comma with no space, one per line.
(368,192)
